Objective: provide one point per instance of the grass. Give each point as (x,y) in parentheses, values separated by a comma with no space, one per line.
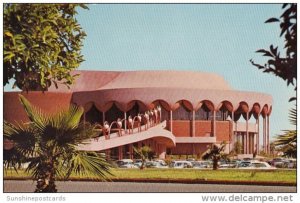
(287,176)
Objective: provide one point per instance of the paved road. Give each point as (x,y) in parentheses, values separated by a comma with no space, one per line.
(70,186)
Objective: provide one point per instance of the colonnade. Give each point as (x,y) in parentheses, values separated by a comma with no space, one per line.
(233,132)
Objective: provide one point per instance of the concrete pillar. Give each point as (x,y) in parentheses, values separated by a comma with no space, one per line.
(120,152)
(268,135)
(214,123)
(107,154)
(194,126)
(171,121)
(232,137)
(247,133)
(257,135)
(194,151)
(264,134)
(131,151)
(162,151)
(245,143)
(125,121)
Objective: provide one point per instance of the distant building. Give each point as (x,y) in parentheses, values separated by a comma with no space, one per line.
(196,109)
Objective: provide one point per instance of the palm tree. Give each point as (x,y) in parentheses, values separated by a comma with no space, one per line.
(49,143)
(216,153)
(237,148)
(144,153)
(287,142)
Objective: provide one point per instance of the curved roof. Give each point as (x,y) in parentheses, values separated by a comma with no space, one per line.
(171,86)
(99,80)
(167,79)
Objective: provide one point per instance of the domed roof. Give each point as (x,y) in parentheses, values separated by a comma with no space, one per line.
(103,80)
(167,78)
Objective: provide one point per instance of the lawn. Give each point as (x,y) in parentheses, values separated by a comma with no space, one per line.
(287,176)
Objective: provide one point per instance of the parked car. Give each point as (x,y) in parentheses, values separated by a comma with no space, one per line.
(228,165)
(191,159)
(181,164)
(259,165)
(126,163)
(292,163)
(137,162)
(156,164)
(243,164)
(279,162)
(201,164)
(162,162)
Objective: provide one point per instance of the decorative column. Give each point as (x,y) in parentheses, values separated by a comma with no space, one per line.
(194,126)
(244,142)
(125,121)
(232,138)
(268,135)
(120,152)
(264,134)
(131,151)
(247,133)
(162,151)
(171,120)
(257,134)
(214,123)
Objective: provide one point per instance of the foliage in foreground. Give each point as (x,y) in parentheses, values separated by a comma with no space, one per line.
(42,44)
(284,67)
(215,153)
(49,143)
(143,153)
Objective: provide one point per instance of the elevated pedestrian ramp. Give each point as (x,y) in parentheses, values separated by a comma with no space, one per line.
(157,132)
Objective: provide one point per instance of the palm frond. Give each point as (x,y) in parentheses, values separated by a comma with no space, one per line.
(293,116)
(89,164)
(289,137)
(24,142)
(34,114)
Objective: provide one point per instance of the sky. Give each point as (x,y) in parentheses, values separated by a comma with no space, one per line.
(217,38)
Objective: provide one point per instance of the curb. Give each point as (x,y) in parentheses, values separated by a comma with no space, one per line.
(180,181)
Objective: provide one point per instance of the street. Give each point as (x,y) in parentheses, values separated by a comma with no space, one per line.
(80,186)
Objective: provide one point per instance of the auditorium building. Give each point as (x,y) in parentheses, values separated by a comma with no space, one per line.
(174,112)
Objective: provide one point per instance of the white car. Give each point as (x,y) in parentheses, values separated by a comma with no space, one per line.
(181,164)
(156,164)
(259,165)
(126,163)
(201,164)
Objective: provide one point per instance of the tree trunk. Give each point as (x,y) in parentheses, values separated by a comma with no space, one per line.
(143,164)
(46,182)
(215,164)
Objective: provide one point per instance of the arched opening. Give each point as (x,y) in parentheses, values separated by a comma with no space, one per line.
(165,109)
(183,111)
(205,112)
(134,111)
(93,115)
(113,114)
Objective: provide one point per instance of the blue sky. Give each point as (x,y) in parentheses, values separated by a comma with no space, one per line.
(218,38)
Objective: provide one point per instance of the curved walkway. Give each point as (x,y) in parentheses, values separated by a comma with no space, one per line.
(157,132)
